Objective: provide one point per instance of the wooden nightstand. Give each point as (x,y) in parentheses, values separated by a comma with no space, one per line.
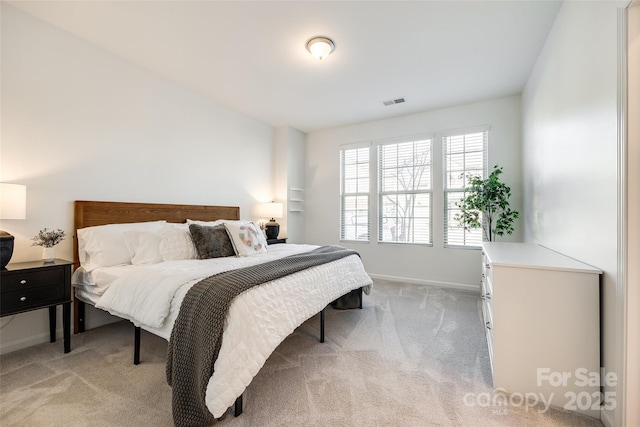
(276,241)
(26,286)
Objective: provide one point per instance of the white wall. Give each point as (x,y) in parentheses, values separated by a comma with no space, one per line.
(414,262)
(570,151)
(79,123)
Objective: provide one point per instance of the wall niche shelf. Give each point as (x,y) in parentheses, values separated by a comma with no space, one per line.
(296,199)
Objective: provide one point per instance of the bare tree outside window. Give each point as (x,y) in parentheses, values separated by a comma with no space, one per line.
(404,173)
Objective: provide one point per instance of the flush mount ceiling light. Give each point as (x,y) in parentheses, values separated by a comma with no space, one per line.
(320,47)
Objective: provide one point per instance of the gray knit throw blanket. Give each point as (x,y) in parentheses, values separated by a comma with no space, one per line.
(197,333)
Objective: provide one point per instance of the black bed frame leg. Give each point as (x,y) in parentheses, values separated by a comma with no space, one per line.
(81,314)
(237,407)
(322,325)
(136,346)
(360,296)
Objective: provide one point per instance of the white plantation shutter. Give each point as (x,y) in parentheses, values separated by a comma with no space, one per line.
(354,193)
(464,154)
(404,192)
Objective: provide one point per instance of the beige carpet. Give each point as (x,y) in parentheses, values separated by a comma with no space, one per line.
(407,359)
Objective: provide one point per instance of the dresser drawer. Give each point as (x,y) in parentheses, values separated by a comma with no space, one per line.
(486,288)
(28,279)
(26,299)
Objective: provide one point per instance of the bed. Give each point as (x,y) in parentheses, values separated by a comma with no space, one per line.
(148,290)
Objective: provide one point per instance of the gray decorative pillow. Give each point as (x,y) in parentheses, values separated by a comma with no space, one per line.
(211,242)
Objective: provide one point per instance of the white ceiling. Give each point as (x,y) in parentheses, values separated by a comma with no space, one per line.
(251,56)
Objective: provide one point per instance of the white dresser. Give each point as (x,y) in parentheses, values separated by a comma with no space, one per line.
(542,316)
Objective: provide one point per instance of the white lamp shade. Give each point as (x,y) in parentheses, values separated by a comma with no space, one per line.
(13,201)
(320,47)
(271,210)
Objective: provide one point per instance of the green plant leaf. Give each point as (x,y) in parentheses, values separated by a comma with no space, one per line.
(486,205)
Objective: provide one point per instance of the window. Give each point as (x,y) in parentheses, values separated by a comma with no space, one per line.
(354,194)
(404,192)
(464,155)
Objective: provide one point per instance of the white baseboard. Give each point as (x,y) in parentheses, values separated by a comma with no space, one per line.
(94,319)
(19,344)
(462,286)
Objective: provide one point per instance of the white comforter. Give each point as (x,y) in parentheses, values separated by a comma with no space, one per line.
(258,320)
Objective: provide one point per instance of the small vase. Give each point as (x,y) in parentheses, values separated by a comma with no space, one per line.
(48,254)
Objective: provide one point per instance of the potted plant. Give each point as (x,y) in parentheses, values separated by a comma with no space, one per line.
(486,205)
(48,239)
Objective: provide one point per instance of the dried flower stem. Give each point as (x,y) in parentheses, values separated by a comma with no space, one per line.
(48,238)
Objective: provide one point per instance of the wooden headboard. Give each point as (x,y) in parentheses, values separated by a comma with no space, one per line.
(88,214)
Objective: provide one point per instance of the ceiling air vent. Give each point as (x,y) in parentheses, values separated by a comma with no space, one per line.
(394,101)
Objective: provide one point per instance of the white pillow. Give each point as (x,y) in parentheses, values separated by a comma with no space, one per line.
(176,243)
(144,246)
(104,245)
(246,237)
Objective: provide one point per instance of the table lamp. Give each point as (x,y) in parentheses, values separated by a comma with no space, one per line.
(13,205)
(273,210)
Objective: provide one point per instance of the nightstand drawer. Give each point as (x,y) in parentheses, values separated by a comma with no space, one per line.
(31,298)
(31,285)
(28,279)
